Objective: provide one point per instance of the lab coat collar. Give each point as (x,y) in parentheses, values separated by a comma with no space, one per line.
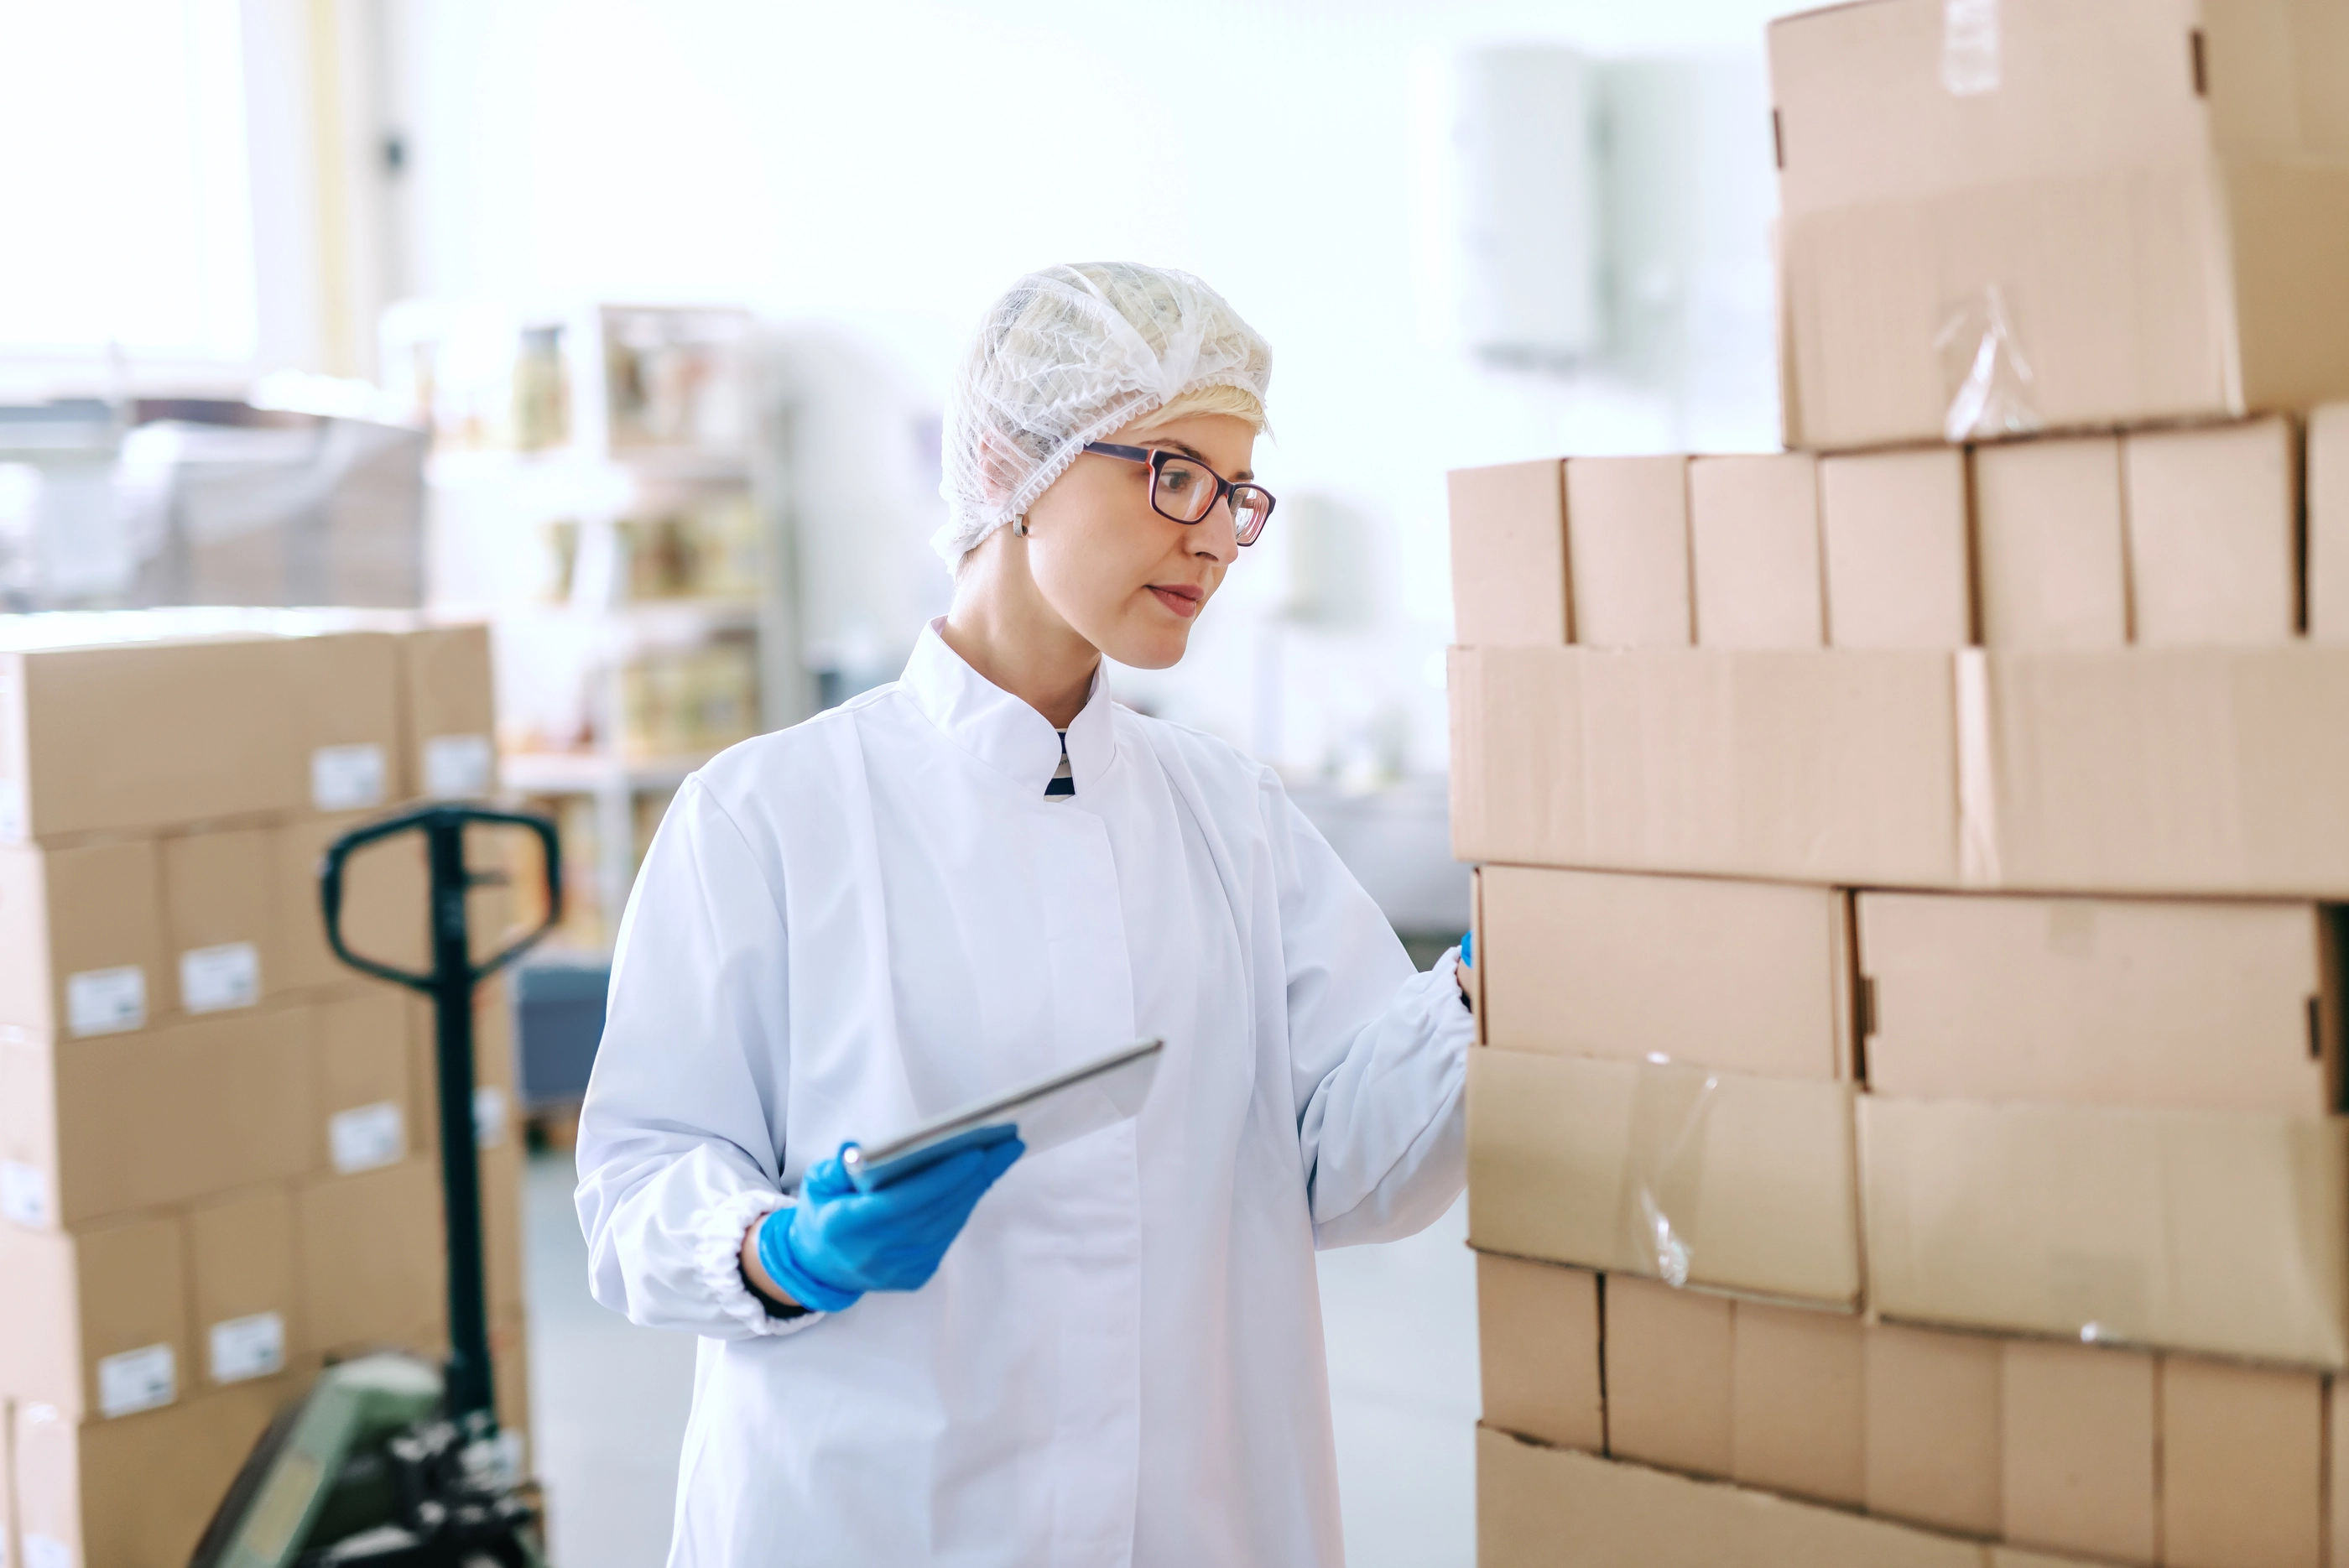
(999,729)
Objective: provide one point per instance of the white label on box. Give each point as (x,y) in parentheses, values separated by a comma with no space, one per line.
(12,809)
(346,778)
(24,1194)
(105,1000)
(1970,48)
(464,766)
(488,1116)
(247,1347)
(138,1380)
(46,1551)
(367,1138)
(213,978)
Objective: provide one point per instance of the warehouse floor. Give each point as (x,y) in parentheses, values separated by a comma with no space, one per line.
(611,1399)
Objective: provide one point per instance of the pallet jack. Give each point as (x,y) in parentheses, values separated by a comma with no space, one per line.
(389,1461)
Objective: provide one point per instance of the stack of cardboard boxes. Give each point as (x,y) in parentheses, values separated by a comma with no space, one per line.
(217,1142)
(1906,1125)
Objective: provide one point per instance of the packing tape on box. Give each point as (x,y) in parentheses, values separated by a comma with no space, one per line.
(1983,366)
(1664,1166)
(1977,778)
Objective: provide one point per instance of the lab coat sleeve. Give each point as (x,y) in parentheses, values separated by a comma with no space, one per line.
(1378,1053)
(679,1147)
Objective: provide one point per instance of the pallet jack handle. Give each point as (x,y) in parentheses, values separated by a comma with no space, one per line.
(454,974)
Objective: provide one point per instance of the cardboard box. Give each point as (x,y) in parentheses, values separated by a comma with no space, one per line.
(501,1224)
(124,1122)
(447,713)
(219,921)
(2209,1006)
(2214,534)
(1837,768)
(2326,471)
(497,1103)
(245,1287)
(2218,1232)
(1753,533)
(81,945)
(2186,771)
(2079,1439)
(135,1493)
(343,709)
(97,1324)
(1798,1402)
(1736,1182)
(364,1107)
(1669,1356)
(1896,537)
(2050,553)
(134,737)
(2242,1465)
(1508,555)
(2336,1473)
(374,1257)
(1628,537)
(1537,1340)
(386,905)
(1755,977)
(1935,1411)
(1553,1508)
(2100,214)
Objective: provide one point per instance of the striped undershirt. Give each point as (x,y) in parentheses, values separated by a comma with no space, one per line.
(1063,784)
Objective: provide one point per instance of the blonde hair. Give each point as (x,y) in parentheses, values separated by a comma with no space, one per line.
(1237,401)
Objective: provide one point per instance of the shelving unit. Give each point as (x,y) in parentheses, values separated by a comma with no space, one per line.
(602,489)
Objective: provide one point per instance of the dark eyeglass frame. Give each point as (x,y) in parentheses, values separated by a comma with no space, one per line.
(1156,458)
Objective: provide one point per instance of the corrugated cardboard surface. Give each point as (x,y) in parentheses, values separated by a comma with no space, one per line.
(1627,536)
(373,1255)
(2079,1437)
(135,1492)
(363,1062)
(216,890)
(242,1264)
(2214,1231)
(1748,976)
(342,688)
(1553,1508)
(446,690)
(384,899)
(144,736)
(125,1122)
(2208,1006)
(1537,1340)
(1835,768)
(1798,1404)
(1894,531)
(2050,558)
(2214,534)
(1508,554)
(2242,1465)
(1933,1421)
(1754,539)
(69,912)
(1669,1358)
(2203,771)
(72,1302)
(2327,566)
(2146,250)
(1745,1182)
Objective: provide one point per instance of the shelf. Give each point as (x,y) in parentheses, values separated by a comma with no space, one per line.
(570,773)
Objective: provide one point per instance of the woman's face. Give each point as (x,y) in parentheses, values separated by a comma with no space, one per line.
(1127,580)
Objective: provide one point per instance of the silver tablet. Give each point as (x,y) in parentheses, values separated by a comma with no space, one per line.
(1043,1115)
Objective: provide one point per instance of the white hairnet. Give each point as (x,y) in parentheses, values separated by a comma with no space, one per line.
(1067,354)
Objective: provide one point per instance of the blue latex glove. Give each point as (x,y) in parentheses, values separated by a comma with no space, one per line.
(836,1243)
(1468,948)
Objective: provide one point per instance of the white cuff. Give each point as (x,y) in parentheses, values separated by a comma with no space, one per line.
(718,1257)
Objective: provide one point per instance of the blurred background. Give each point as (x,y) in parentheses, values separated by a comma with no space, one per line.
(627,329)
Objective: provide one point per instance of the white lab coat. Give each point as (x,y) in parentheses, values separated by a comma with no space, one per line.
(878,915)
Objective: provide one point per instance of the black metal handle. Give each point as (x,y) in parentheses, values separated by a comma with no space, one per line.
(425,819)
(471,1392)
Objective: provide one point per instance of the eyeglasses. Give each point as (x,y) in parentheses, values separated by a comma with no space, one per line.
(1186,490)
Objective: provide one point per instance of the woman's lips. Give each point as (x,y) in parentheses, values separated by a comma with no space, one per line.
(1183,600)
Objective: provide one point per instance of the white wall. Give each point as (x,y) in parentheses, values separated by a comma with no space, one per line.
(888,167)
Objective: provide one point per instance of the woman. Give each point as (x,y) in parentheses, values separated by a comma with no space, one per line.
(964,880)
